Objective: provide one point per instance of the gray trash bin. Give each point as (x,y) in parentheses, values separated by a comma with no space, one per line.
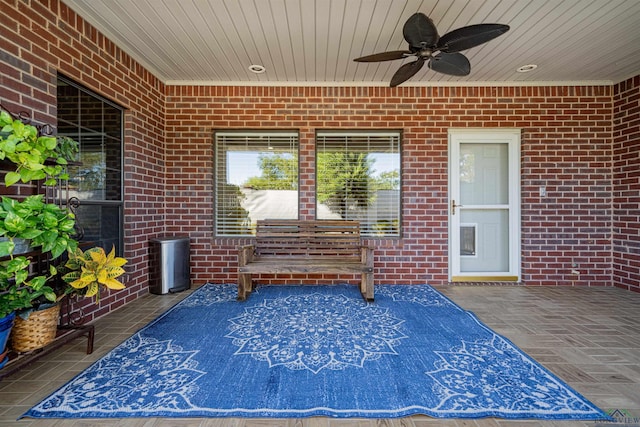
(169,265)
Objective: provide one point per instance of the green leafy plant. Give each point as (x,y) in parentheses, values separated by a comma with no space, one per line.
(36,157)
(18,291)
(93,268)
(47,226)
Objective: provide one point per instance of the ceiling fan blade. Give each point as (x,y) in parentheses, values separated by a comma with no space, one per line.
(420,32)
(407,71)
(384,56)
(454,64)
(471,36)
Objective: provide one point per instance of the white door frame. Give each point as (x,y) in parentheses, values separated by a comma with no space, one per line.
(511,137)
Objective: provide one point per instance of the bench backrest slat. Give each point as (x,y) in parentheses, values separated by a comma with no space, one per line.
(307,239)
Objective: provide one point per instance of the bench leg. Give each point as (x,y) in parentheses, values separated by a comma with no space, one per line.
(244,285)
(366,286)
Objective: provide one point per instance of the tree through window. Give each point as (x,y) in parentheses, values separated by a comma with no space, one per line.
(256,178)
(358,177)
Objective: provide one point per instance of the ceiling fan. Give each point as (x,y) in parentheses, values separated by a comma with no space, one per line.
(442,53)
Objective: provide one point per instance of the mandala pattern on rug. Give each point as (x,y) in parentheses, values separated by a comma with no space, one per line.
(334,355)
(141,374)
(423,295)
(315,332)
(210,294)
(481,376)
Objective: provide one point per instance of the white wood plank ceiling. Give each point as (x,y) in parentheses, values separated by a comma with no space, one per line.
(314,42)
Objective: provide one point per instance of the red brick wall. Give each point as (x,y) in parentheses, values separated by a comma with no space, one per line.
(566,147)
(41,38)
(566,135)
(626,181)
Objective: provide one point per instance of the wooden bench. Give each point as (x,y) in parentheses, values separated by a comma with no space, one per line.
(294,246)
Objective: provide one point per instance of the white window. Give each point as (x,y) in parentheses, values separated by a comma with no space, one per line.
(256,177)
(358,178)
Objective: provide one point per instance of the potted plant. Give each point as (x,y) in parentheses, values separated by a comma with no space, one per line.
(86,272)
(6,323)
(48,227)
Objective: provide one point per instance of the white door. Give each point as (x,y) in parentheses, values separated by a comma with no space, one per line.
(484,205)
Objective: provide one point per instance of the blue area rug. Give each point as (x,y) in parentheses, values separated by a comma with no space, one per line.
(299,351)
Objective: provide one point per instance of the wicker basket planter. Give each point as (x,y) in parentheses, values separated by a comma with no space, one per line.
(36,331)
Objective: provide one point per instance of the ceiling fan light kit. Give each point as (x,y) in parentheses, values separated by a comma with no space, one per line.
(441,53)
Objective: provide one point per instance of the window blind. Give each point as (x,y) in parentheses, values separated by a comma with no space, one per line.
(256,177)
(358,177)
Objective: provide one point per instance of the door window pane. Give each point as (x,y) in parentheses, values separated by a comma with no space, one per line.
(484,174)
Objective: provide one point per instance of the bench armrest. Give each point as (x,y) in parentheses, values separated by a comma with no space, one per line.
(366,255)
(245,254)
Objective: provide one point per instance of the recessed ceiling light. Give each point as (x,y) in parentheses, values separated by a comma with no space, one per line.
(258,69)
(527,68)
